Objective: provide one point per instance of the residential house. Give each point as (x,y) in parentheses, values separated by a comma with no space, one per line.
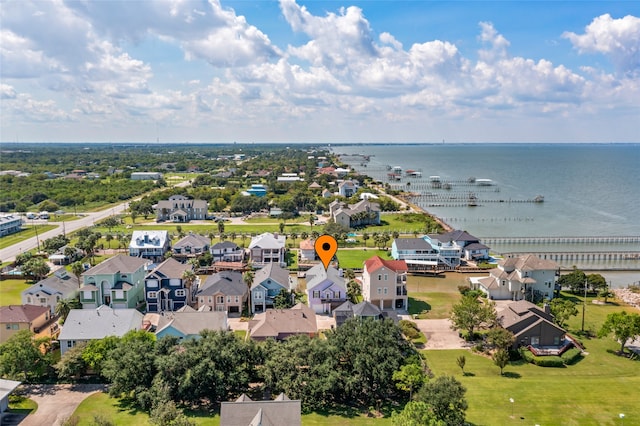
(65,255)
(314,186)
(472,248)
(118,282)
(267,248)
(49,291)
(268,282)
(384,283)
(191,246)
(10,224)
(246,412)
(6,389)
(362,310)
(348,188)
(326,288)
(186,323)
(179,208)
(146,176)
(227,251)
(282,323)
(257,189)
(362,213)
(83,325)
(223,291)
(307,250)
(150,245)
(426,253)
(526,277)
(15,318)
(165,288)
(326,193)
(532,325)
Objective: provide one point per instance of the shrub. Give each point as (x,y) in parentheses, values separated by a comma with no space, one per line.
(548,361)
(571,356)
(464,289)
(526,354)
(409,329)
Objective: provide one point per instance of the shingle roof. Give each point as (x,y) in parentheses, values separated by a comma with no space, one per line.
(268,241)
(121,263)
(529,262)
(170,268)
(229,283)
(366,309)
(300,319)
(64,285)
(193,322)
(318,274)
(456,235)
(142,239)
(376,262)
(246,412)
(21,313)
(273,271)
(86,324)
(192,240)
(225,245)
(412,244)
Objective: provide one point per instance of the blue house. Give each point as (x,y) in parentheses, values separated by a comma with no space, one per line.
(426,252)
(164,287)
(258,190)
(267,284)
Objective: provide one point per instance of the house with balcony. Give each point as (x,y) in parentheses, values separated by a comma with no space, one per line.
(15,318)
(472,248)
(227,251)
(326,288)
(118,282)
(181,209)
(519,278)
(10,224)
(191,246)
(362,213)
(150,245)
(267,248)
(223,291)
(84,325)
(348,188)
(166,289)
(384,283)
(49,291)
(268,282)
(426,253)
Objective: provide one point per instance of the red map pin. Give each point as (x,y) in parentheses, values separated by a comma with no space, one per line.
(326,247)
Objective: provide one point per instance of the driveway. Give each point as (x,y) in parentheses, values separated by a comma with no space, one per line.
(56,403)
(440,335)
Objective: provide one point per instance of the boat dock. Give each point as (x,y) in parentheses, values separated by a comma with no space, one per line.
(624,239)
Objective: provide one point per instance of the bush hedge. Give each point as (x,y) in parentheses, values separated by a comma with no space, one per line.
(409,329)
(571,356)
(567,358)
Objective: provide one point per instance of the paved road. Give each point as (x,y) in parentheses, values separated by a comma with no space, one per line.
(56,403)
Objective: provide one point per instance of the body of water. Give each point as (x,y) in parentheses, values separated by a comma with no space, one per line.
(588,189)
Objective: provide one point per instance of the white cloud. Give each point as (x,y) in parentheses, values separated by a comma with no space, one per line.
(7,92)
(618,39)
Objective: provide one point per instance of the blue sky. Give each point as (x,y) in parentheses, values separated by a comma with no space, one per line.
(320,71)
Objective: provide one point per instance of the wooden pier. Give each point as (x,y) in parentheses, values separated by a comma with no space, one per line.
(584,256)
(622,239)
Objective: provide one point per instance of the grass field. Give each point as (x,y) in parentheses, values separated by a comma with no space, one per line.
(10,291)
(26,233)
(354,259)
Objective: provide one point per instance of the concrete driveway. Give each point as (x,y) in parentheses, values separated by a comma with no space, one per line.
(56,403)
(440,335)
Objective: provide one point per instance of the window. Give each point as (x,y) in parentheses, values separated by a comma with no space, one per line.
(119,294)
(15,326)
(379,277)
(385,290)
(8,326)
(86,294)
(152,283)
(69,343)
(379,290)
(386,277)
(180,293)
(202,300)
(316,294)
(28,300)
(152,295)
(228,299)
(219,299)
(258,295)
(210,299)
(237,299)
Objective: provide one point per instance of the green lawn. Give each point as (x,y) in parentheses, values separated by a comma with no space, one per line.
(26,233)
(21,405)
(10,291)
(354,259)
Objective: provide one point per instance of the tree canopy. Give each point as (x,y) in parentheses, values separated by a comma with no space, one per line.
(471,314)
(623,326)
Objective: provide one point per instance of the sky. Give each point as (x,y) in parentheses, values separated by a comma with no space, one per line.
(319,71)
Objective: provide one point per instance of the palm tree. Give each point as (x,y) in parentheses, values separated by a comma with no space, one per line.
(312,220)
(64,306)
(220,227)
(243,237)
(281,227)
(109,237)
(248,278)
(304,235)
(293,235)
(365,237)
(77,268)
(188,278)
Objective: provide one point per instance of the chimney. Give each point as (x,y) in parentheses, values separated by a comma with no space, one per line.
(547,309)
(146,238)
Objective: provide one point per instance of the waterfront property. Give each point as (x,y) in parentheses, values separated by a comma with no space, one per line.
(267,248)
(267,284)
(426,253)
(532,326)
(165,286)
(223,291)
(472,248)
(384,283)
(118,282)
(83,325)
(526,277)
(10,224)
(49,291)
(348,188)
(326,288)
(15,318)
(282,323)
(180,209)
(150,245)
(363,213)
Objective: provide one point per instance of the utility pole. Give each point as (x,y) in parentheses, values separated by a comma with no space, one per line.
(584,303)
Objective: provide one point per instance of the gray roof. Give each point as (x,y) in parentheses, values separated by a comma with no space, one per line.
(170,268)
(456,235)
(529,262)
(229,283)
(300,319)
(192,240)
(412,244)
(268,241)
(65,284)
(366,309)
(476,246)
(118,264)
(193,322)
(273,271)
(245,412)
(318,274)
(225,245)
(6,387)
(87,324)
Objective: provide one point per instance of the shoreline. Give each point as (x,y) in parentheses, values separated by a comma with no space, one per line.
(628,297)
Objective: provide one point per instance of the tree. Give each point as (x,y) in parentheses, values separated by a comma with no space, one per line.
(500,359)
(623,326)
(461,361)
(166,413)
(416,413)
(596,282)
(365,237)
(188,278)
(36,268)
(409,378)
(21,357)
(445,396)
(605,293)
(562,310)
(574,280)
(500,338)
(64,306)
(284,299)
(71,364)
(110,222)
(77,268)
(281,227)
(312,220)
(354,292)
(97,351)
(471,314)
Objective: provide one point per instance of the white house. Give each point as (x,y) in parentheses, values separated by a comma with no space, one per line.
(267,248)
(48,292)
(526,277)
(10,224)
(150,245)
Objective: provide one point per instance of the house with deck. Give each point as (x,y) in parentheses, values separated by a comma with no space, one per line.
(166,288)
(532,326)
(227,251)
(362,213)
(150,245)
(49,291)
(426,253)
(472,248)
(181,209)
(268,282)
(118,282)
(223,291)
(191,246)
(525,277)
(326,288)
(267,248)
(384,283)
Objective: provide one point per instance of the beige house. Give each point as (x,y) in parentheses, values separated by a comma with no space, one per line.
(282,323)
(384,283)
(223,291)
(15,318)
